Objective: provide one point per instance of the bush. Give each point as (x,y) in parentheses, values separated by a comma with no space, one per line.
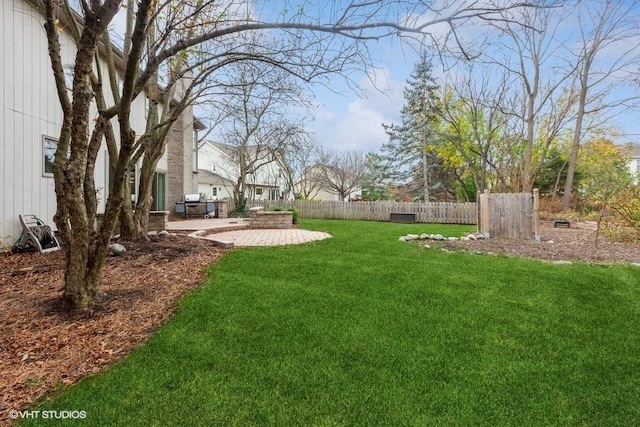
(621,233)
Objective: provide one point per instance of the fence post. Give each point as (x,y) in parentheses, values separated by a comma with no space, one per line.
(485,212)
(535,218)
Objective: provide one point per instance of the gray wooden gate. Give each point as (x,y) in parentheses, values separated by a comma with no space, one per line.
(509,215)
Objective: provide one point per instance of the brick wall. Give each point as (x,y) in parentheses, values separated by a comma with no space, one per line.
(157,221)
(182,177)
(270,219)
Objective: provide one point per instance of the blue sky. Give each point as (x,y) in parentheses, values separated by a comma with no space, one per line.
(347,121)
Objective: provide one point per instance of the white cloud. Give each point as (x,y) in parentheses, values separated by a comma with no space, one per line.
(358,125)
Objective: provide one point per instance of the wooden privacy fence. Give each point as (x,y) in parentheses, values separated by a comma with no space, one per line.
(434,212)
(509,215)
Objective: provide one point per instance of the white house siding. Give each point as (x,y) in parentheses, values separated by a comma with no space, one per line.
(634,159)
(30,110)
(216,160)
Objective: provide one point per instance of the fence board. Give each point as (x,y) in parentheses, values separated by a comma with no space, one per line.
(511,215)
(435,212)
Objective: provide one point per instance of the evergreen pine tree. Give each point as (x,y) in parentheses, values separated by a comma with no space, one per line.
(409,160)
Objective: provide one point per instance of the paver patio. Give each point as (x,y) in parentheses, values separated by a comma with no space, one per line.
(244,237)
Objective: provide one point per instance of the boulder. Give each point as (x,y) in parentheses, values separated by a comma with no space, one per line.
(117,249)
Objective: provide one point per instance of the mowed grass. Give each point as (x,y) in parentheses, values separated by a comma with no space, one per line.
(361,329)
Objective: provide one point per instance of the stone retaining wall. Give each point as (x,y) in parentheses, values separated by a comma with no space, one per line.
(158,220)
(270,219)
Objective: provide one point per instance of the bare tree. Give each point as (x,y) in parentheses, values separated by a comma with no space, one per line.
(605,27)
(344,172)
(298,163)
(543,109)
(305,47)
(473,122)
(250,122)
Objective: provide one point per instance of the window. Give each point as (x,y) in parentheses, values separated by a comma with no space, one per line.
(132,185)
(214,191)
(258,191)
(49,147)
(159,191)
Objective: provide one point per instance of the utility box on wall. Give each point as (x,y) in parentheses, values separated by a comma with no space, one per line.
(406,218)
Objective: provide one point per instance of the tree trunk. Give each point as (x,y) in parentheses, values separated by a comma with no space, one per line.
(152,155)
(575,147)
(425,173)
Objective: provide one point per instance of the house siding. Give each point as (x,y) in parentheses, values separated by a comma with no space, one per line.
(31,110)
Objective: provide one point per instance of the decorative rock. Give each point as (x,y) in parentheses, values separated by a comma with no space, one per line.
(550,241)
(562,262)
(452,238)
(472,237)
(412,237)
(424,236)
(482,236)
(438,237)
(464,239)
(427,246)
(163,233)
(117,249)
(403,239)
(635,264)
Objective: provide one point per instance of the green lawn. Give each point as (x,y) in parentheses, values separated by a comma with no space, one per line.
(361,329)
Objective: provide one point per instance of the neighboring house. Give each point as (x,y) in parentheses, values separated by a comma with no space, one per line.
(312,185)
(31,119)
(213,186)
(220,169)
(633,153)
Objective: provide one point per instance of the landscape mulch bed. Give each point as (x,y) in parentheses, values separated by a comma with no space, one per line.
(43,348)
(573,244)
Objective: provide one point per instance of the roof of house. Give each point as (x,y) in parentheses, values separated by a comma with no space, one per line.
(631,150)
(206,177)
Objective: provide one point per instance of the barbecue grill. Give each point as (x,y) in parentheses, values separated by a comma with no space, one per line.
(192,198)
(192,206)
